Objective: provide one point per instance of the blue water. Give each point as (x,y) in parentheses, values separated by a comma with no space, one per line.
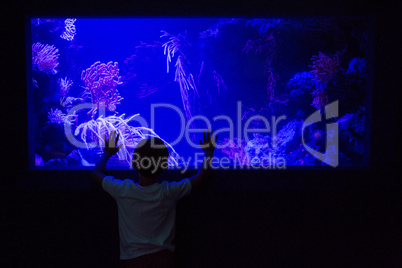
(239,69)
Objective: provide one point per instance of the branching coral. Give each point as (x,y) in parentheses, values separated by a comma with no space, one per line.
(170,47)
(45,57)
(64,86)
(68,102)
(70,30)
(219,82)
(186,82)
(101,81)
(324,69)
(267,41)
(95,131)
(58,117)
(320,98)
(146,90)
(271,82)
(182,75)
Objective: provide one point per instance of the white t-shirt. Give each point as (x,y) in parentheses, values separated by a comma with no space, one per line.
(147,214)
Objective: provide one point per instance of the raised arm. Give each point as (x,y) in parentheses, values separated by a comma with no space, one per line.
(208,146)
(111,148)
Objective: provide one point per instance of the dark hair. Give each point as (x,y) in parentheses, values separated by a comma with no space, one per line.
(150,157)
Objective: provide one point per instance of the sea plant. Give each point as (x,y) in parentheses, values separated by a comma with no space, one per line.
(95,130)
(324,69)
(176,45)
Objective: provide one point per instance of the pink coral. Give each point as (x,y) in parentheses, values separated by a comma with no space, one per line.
(45,57)
(101,81)
(56,116)
(320,98)
(271,82)
(325,67)
(64,86)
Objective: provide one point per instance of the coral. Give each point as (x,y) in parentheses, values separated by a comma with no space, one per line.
(352,135)
(182,75)
(70,30)
(353,121)
(145,90)
(325,67)
(264,25)
(267,41)
(211,81)
(139,70)
(271,82)
(68,102)
(287,133)
(219,82)
(101,81)
(215,29)
(301,83)
(186,82)
(234,149)
(95,131)
(257,149)
(58,117)
(261,149)
(212,31)
(45,57)
(64,86)
(170,47)
(138,64)
(357,68)
(74,158)
(320,98)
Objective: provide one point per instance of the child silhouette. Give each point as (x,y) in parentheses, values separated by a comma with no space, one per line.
(147,209)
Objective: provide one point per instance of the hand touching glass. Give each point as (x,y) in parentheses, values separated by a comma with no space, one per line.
(208,145)
(111,144)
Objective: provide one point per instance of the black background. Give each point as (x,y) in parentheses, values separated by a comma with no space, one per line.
(294,218)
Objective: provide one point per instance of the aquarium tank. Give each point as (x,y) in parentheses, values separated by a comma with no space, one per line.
(279,92)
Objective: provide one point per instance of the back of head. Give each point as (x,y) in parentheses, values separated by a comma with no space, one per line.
(151,157)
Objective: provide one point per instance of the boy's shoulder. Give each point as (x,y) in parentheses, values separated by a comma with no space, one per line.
(176,186)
